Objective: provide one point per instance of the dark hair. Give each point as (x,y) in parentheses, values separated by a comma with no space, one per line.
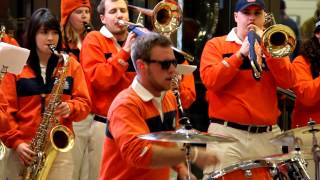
(101,8)
(311,51)
(41,18)
(141,48)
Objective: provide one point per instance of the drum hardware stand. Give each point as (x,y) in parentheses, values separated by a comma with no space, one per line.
(315,148)
(184,121)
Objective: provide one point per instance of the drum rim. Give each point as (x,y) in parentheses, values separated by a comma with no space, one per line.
(242,165)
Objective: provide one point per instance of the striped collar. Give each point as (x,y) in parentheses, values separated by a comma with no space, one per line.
(142,92)
(232,37)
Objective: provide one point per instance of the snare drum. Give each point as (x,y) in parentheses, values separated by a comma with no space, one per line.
(253,170)
(291,166)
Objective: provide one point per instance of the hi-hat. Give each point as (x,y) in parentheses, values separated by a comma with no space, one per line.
(186,136)
(298,136)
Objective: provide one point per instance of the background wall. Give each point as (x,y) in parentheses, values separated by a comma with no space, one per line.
(300,10)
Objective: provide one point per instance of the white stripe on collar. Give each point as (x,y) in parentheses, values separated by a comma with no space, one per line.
(142,92)
(232,37)
(104,31)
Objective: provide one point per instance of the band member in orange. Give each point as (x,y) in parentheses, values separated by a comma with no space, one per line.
(239,105)
(38,101)
(146,106)
(75,24)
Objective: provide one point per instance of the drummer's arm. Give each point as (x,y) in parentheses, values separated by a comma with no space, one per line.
(164,156)
(182,171)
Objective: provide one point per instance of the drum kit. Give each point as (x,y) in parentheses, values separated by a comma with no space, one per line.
(280,167)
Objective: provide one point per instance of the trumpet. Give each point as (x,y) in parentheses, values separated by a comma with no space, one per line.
(277,40)
(166,16)
(134,27)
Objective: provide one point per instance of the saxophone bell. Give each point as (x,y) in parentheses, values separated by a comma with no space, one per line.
(62,138)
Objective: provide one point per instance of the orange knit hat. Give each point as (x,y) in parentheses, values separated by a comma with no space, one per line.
(68,6)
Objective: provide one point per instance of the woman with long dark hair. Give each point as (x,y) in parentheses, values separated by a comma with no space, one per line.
(30,92)
(307,88)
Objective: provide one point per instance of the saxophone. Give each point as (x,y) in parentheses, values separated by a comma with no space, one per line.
(2,146)
(51,137)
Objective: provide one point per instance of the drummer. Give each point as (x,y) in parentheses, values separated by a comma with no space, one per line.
(307,88)
(146,106)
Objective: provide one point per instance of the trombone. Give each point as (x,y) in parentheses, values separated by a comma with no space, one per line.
(166,19)
(277,40)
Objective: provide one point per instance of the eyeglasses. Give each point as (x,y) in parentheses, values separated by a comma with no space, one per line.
(165,65)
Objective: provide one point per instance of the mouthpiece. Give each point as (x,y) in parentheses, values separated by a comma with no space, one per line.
(54,50)
(87,27)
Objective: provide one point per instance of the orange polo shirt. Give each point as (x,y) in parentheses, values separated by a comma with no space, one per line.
(124,154)
(106,67)
(307,92)
(232,93)
(23,94)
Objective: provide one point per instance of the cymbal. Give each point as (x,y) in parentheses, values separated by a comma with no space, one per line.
(299,136)
(284,157)
(186,136)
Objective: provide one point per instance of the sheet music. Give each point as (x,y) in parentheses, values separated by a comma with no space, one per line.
(185,69)
(13,57)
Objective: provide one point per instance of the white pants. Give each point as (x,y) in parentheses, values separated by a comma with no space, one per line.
(97,131)
(249,146)
(81,148)
(61,168)
(3,164)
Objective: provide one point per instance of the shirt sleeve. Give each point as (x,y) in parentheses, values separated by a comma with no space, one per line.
(307,89)
(216,71)
(102,71)
(10,133)
(187,90)
(282,71)
(125,124)
(80,101)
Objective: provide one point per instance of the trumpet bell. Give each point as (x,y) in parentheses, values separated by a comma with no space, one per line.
(167,17)
(278,40)
(62,138)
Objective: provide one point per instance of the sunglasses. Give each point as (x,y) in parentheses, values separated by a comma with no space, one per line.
(165,65)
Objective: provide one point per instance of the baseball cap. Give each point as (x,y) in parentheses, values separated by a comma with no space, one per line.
(242,4)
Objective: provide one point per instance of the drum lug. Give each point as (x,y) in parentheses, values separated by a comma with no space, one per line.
(274,172)
(248,173)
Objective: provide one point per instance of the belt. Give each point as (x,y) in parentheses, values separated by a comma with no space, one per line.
(249,128)
(100,118)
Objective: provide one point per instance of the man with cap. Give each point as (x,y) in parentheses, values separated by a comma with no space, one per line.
(239,105)
(75,14)
(307,68)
